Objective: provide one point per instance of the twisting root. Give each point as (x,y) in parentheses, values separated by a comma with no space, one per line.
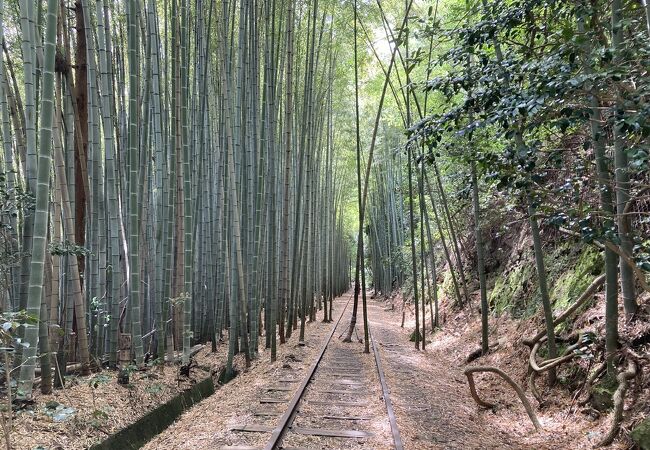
(469,372)
(623,379)
(550,363)
(533,387)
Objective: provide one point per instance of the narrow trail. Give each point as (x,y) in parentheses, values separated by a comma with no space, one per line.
(430,395)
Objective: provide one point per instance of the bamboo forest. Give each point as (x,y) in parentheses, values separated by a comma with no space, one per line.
(324,224)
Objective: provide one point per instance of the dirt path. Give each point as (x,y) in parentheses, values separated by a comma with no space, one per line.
(430,395)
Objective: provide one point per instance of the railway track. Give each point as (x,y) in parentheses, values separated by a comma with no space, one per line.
(341,402)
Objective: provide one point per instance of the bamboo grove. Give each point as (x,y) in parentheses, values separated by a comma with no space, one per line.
(177,172)
(171,176)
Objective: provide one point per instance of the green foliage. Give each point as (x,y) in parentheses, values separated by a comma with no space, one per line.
(99,380)
(154,389)
(415,335)
(14,203)
(641,434)
(515,70)
(98,418)
(67,248)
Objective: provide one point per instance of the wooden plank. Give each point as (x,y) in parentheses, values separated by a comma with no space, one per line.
(288,380)
(340,391)
(343,368)
(337,384)
(331,433)
(347,382)
(348,404)
(273,400)
(344,388)
(279,389)
(344,418)
(266,413)
(342,374)
(252,428)
(349,387)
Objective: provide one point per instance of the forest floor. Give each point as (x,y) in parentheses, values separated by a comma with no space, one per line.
(432,398)
(429,392)
(91,408)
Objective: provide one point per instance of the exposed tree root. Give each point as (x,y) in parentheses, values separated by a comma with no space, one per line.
(469,373)
(623,379)
(545,365)
(479,352)
(586,295)
(536,368)
(533,387)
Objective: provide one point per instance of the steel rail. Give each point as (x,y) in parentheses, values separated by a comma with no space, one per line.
(397,438)
(287,417)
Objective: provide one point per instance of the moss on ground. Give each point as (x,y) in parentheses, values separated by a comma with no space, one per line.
(511,290)
(570,271)
(641,434)
(572,282)
(446,288)
(602,394)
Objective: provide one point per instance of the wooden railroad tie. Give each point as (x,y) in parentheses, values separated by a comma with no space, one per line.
(306,431)
(341,392)
(252,428)
(346,404)
(331,433)
(273,400)
(267,413)
(326,417)
(279,388)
